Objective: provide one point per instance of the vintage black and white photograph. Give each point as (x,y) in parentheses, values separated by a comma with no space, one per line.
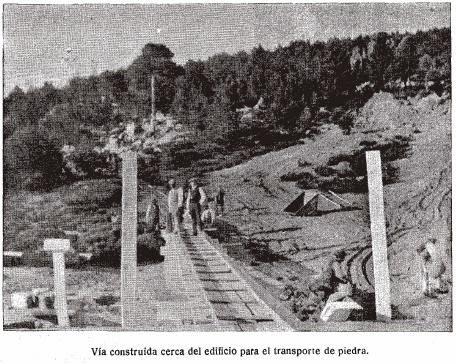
(227,167)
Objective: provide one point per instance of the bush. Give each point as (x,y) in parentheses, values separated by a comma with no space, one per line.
(345,184)
(324,171)
(108,253)
(32,239)
(44,259)
(308,181)
(294,176)
(32,160)
(207,150)
(88,163)
(336,159)
(101,193)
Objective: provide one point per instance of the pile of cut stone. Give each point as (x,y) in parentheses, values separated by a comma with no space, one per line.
(305,302)
(31,309)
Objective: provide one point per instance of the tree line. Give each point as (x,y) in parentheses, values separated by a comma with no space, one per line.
(294,82)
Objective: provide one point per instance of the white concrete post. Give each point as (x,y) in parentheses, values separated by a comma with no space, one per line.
(58,247)
(129,238)
(378,235)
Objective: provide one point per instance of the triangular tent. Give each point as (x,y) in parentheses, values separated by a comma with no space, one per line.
(324,204)
(336,198)
(311,203)
(298,203)
(318,205)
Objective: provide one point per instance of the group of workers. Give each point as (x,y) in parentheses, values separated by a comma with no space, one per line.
(189,199)
(333,284)
(432,269)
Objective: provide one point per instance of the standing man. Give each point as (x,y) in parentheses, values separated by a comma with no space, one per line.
(220,202)
(153,216)
(196,198)
(432,269)
(175,201)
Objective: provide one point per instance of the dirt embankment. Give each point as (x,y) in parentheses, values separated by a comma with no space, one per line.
(417,201)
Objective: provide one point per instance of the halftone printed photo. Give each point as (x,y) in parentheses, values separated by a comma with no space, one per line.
(227,167)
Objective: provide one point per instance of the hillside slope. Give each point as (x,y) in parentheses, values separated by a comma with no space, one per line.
(417,202)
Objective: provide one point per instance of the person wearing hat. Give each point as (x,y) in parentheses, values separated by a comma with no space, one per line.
(220,202)
(175,201)
(432,269)
(196,197)
(153,216)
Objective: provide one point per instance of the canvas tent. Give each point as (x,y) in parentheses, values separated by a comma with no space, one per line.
(312,202)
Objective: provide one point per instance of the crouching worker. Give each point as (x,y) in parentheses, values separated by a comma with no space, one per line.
(337,279)
(207,217)
(432,269)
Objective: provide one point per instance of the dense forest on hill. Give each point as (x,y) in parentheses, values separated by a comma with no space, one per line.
(294,88)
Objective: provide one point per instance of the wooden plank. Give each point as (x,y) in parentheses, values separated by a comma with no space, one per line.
(209,259)
(224,286)
(248,326)
(216,265)
(215,296)
(245,296)
(258,309)
(212,270)
(228,297)
(203,256)
(129,238)
(223,310)
(204,278)
(241,309)
(378,234)
(237,317)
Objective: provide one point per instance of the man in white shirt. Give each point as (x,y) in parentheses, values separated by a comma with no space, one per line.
(196,198)
(175,201)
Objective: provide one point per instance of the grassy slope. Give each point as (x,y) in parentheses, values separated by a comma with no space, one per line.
(419,202)
(256,198)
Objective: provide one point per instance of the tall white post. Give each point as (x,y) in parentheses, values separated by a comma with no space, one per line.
(129,232)
(58,248)
(378,235)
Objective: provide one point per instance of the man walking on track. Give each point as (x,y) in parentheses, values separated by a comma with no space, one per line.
(220,202)
(196,198)
(153,216)
(175,201)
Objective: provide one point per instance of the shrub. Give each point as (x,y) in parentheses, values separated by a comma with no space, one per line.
(324,171)
(32,160)
(308,181)
(108,253)
(345,184)
(88,163)
(102,193)
(294,176)
(32,239)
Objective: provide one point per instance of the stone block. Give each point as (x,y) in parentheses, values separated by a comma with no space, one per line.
(339,311)
(24,300)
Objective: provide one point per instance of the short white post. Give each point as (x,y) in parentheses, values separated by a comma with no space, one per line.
(378,235)
(129,238)
(58,247)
